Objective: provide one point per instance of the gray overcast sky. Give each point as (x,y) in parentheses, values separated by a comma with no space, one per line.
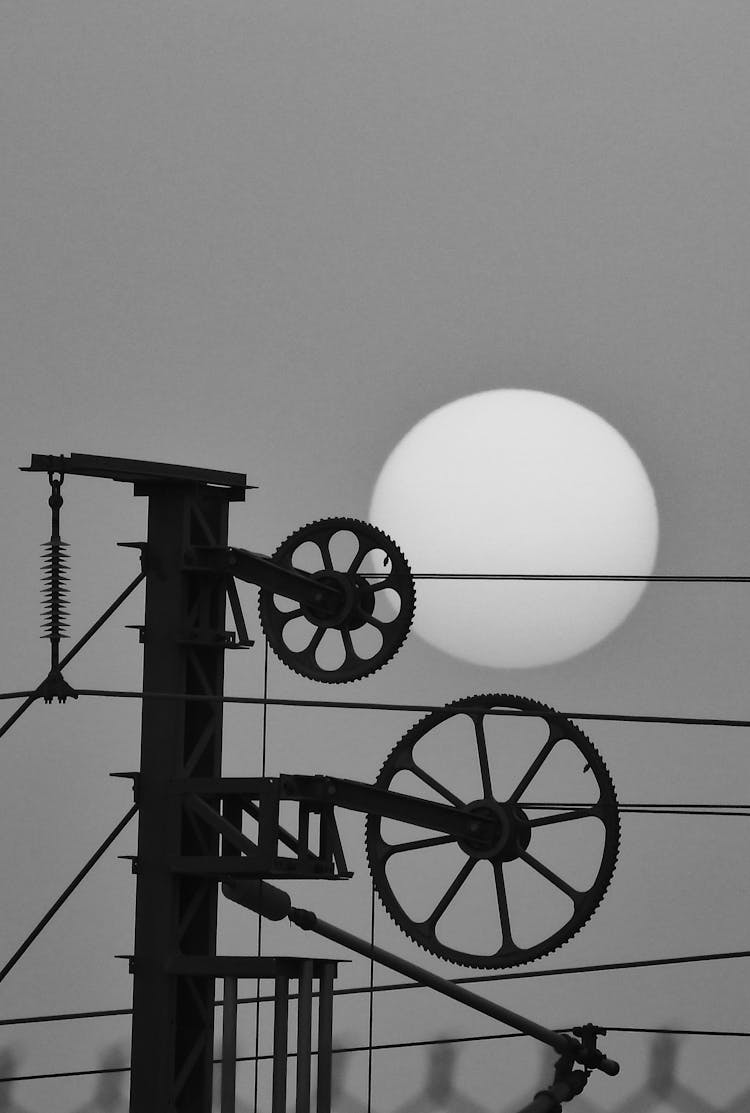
(271,236)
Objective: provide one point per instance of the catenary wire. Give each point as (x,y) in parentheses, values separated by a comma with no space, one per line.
(564,576)
(677,720)
(361,705)
(402,1044)
(392,986)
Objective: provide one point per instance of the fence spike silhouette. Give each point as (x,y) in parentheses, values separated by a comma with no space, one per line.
(660,1090)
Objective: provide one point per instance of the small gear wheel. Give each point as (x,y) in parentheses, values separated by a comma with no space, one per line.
(550,861)
(368,619)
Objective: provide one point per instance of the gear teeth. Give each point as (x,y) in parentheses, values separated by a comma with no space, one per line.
(521,956)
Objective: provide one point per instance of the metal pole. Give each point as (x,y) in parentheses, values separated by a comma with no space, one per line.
(229,1047)
(280,1041)
(310,922)
(325,1037)
(183,636)
(304,1035)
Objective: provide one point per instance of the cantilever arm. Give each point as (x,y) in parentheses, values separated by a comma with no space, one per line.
(255,568)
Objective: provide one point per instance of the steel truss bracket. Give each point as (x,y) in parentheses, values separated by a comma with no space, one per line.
(264,572)
(361,797)
(223,806)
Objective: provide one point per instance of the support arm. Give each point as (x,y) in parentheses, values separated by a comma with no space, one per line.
(255,568)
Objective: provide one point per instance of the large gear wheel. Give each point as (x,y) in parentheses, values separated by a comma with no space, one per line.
(542,780)
(372,616)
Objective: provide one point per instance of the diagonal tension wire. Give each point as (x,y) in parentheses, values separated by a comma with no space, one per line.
(67,892)
(31,697)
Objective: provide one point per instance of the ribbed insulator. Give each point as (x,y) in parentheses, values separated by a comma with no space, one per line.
(54,590)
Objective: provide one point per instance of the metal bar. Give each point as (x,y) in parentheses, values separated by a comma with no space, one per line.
(172,1061)
(304,1036)
(307,920)
(66,892)
(280,1042)
(133,471)
(360,797)
(222,825)
(255,568)
(19,712)
(229,1047)
(102,619)
(325,1038)
(243,637)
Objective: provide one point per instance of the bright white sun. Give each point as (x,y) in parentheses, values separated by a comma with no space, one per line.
(518,481)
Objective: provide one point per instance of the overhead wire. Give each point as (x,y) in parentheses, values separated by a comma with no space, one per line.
(397,1046)
(354,705)
(406,985)
(31,695)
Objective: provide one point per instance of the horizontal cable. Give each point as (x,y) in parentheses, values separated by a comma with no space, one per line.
(564,576)
(53,1017)
(363,706)
(397,1046)
(742,810)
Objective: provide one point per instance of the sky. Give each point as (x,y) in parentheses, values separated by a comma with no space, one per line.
(270,238)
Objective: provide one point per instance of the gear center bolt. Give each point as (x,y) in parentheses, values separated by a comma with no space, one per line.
(513,831)
(355,601)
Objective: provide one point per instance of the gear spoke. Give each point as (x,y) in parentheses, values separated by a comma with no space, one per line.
(349,649)
(553,878)
(484,765)
(450,893)
(536,765)
(502,905)
(315,641)
(416,844)
(562,817)
(325,552)
(436,785)
(287,616)
(378,623)
(365,546)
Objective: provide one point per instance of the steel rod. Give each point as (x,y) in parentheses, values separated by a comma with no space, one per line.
(66,893)
(280,1042)
(229,1047)
(308,921)
(325,1039)
(304,1036)
(102,619)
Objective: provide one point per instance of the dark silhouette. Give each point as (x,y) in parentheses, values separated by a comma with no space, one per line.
(9,1064)
(111,1090)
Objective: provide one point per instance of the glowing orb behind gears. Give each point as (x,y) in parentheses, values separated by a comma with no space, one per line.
(518,481)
